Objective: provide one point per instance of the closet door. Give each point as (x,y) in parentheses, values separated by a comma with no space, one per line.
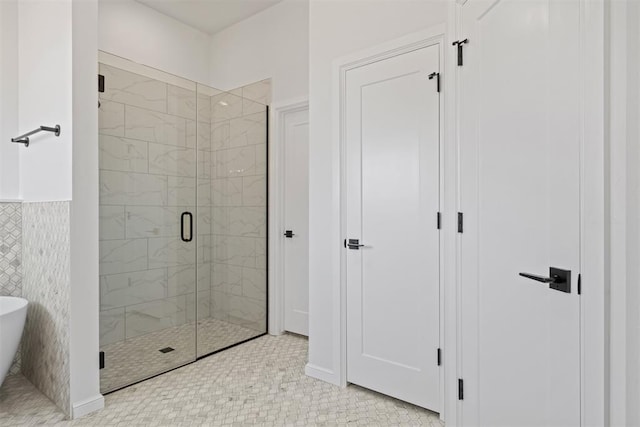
(392,179)
(520,177)
(296,219)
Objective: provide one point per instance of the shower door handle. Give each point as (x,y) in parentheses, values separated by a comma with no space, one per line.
(182,227)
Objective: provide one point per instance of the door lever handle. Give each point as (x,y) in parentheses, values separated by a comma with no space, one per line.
(558,279)
(543,279)
(353,244)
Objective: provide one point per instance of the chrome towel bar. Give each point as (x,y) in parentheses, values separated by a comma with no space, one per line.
(24,139)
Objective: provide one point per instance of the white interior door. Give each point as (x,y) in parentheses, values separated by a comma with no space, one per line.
(392,182)
(520,172)
(296,220)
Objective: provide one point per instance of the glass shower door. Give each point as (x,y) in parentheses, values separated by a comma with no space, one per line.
(148,255)
(232,215)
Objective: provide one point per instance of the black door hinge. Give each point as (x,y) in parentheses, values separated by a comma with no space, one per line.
(437,76)
(438,221)
(460,222)
(459,43)
(439,357)
(460,389)
(100,83)
(102,360)
(579,284)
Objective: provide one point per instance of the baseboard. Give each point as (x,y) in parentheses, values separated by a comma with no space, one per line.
(87,406)
(322,374)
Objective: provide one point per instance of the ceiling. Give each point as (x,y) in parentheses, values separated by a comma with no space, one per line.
(209,16)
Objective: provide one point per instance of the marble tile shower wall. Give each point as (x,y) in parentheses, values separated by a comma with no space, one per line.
(161,146)
(11,257)
(147,179)
(239,204)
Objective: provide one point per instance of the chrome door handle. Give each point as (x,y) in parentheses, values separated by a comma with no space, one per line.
(559,280)
(353,244)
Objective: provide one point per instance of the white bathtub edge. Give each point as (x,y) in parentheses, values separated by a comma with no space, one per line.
(87,406)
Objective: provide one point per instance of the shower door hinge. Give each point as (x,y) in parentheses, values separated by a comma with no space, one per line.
(460,222)
(459,44)
(437,76)
(100,83)
(102,360)
(460,389)
(439,357)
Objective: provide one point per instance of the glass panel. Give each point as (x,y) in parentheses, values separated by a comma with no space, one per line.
(148,272)
(232,212)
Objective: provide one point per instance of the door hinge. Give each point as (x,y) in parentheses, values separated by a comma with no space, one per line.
(438,221)
(101,360)
(579,284)
(437,76)
(460,222)
(100,83)
(460,389)
(439,357)
(459,43)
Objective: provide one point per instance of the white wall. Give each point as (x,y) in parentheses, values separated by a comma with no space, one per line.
(338,28)
(272,43)
(136,32)
(44,82)
(9,153)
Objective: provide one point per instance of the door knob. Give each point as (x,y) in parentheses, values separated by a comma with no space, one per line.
(558,279)
(289,234)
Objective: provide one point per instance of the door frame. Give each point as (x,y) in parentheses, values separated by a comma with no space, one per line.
(279,112)
(594,309)
(429,37)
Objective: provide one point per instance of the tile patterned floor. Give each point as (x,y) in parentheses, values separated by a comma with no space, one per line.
(138,358)
(261,382)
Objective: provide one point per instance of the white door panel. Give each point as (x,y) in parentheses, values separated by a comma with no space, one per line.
(520,160)
(392,138)
(296,219)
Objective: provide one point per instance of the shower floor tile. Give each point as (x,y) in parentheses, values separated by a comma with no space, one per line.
(148,355)
(261,382)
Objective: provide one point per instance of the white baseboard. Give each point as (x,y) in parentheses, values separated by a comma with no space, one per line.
(87,406)
(322,374)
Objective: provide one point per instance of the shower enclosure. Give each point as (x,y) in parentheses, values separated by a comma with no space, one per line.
(183,219)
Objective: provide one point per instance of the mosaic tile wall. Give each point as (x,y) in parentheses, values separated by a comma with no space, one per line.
(46,284)
(11,258)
